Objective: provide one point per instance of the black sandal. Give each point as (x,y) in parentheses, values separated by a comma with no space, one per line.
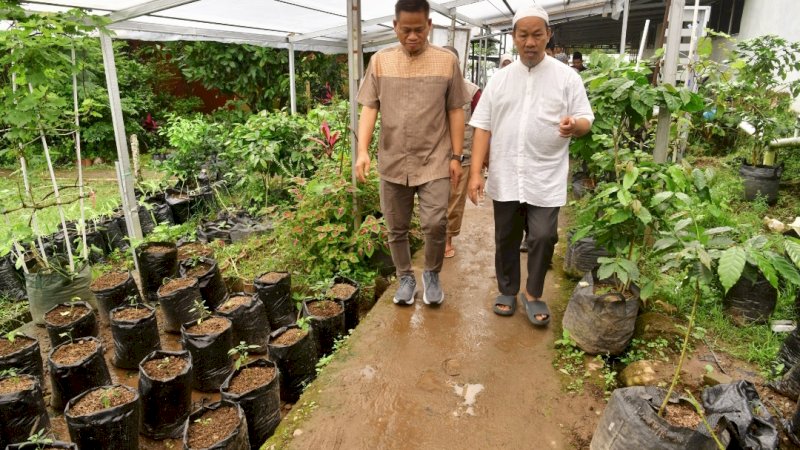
(505,300)
(536,308)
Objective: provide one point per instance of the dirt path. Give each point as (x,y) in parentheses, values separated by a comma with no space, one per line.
(456,376)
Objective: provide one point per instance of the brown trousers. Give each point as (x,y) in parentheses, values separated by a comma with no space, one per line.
(397,204)
(455,208)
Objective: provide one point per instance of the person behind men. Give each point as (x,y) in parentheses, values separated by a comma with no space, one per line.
(458,194)
(530,110)
(418,89)
(577,62)
(505,59)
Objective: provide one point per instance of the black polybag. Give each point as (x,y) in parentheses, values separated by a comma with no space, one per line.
(250,323)
(84,326)
(212,286)
(25,361)
(749,302)
(96,245)
(789,354)
(155,267)
(122,294)
(165,403)
(581,256)
(212,364)
(22,413)
(67,381)
(261,406)
(181,205)
(277,299)
(350,303)
(237,440)
(326,329)
(630,421)
(746,418)
(118,425)
(12,284)
(34,446)
(296,363)
(114,232)
(133,340)
(154,211)
(789,384)
(178,307)
(597,323)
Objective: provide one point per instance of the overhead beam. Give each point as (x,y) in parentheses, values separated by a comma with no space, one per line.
(459,3)
(450,12)
(144,9)
(339,29)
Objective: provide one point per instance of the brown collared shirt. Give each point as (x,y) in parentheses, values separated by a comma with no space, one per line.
(413,95)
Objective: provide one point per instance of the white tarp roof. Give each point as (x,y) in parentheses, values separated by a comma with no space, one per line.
(310,24)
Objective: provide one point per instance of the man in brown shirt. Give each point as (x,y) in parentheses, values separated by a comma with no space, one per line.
(418,89)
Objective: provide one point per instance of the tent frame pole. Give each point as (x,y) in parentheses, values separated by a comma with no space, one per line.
(355,70)
(292,79)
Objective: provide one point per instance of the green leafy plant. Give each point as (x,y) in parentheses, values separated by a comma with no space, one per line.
(304,323)
(39,439)
(67,335)
(756,256)
(193,141)
(338,344)
(240,352)
(201,310)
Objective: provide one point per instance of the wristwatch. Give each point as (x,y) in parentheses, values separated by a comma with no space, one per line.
(459,158)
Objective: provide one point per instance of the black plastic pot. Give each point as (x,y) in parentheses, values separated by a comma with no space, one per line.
(581,182)
(601,324)
(133,340)
(737,408)
(249,321)
(123,293)
(261,406)
(789,354)
(237,440)
(84,326)
(69,380)
(178,306)
(23,412)
(114,232)
(54,444)
(350,303)
(326,329)
(296,363)
(118,425)
(631,421)
(212,365)
(277,299)
(181,205)
(581,256)
(155,267)
(27,360)
(12,284)
(96,244)
(157,212)
(750,302)
(761,181)
(166,403)
(212,286)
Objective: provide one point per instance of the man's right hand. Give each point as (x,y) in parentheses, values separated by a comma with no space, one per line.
(475,187)
(362,167)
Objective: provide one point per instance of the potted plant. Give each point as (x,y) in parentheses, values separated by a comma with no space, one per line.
(103,415)
(21,353)
(254,386)
(22,406)
(135,332)
(218,425)
(294,351)
(165,384)
(208,339)
(72,320)
(75,367)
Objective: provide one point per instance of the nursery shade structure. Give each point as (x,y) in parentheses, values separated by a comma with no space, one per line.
(329,26)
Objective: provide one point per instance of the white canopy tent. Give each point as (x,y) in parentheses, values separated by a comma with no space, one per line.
(342,26)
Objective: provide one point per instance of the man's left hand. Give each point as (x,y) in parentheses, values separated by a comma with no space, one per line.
(455,173)
(566,128)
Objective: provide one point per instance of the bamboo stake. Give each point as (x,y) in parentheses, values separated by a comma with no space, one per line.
(84,248)
(57,195)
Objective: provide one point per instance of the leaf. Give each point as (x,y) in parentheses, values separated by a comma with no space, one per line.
(630,177)
(766,269)
(619,217)
(644,215)
(683,223)
(664,243)
(647,290)
(786,270)
(661,197)
(605,271)
(792,247)
(731,265)
(717,230)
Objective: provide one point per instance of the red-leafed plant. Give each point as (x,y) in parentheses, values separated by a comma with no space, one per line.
(328,140)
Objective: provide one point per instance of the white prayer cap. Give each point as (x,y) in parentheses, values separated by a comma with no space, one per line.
(505,57)
(531,11)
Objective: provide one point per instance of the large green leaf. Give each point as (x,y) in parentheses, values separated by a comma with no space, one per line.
(766,268)
(786,270)
(731,265)
(644,215)
(661,197)
(792,247)
(630,177)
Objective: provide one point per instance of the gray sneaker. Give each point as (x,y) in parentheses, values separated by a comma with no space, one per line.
(431,289)
(405,292)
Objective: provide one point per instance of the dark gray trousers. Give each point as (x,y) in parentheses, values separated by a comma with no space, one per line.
(542,226)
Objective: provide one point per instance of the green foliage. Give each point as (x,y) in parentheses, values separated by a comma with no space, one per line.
(241,352)
(640,349)
(193,141)
(757,255)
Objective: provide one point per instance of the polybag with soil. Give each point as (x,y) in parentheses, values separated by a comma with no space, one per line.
(167,398)
(24,358)
(237,439)
(112,290)
(154,211)
(134,337)
(177,299)
(275,292)
(47,288)
(250,324)
(63,324)
(114,232)
(350,302)
(261,404)
(12,283)
(738,408)
(117,424)
(231,227)
(157,261)
(581,256)
(22,410)
(751,300)
(296,360)
(209,350)
(327,320)
(601,324)
(68,379)
(212,286)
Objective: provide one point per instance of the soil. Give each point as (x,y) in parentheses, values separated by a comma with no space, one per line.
(324,308)
(93,401)
(20,342)
(214,325)
(64,315)
(159,249)
(342,291)
(198,270)
(109,280)
(289,337)
(131,314)
(608,292)
(273,277)
(164,368)
(682,415)
(250,378)
(69,354)
(176,285)
(17,384)
(233,303)
(212,427)
(194,249)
